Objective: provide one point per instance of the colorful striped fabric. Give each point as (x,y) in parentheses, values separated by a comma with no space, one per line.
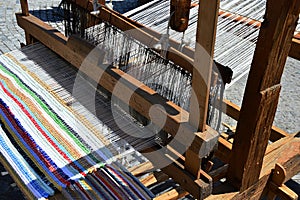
(67,152)
(34,183)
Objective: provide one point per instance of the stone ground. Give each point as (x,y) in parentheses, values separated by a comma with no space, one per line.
(287,116)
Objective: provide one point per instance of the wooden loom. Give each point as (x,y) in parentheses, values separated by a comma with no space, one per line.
(253,167)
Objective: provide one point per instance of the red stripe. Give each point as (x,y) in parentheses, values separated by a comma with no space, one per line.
(31,144)
(41,130)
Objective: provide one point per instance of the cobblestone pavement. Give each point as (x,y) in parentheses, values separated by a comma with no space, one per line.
(287,116)
(10,34)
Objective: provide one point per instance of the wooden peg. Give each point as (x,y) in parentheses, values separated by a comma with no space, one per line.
(277,187)
(278,175)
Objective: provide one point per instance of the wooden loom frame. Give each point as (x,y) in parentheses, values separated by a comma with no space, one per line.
(271,169)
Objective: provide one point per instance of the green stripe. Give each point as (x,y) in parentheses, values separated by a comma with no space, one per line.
(50,113)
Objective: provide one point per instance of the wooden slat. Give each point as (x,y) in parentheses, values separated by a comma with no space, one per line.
(233,111)
(239,18)
(277,144)
(262,92)
(141,169)
(25,12)
(154,178)
(224,150)
(219,173)
(283,192)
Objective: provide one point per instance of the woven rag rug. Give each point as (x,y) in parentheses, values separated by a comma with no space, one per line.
(49,147)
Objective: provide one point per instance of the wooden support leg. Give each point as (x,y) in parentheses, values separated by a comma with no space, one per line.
(28,38)
(25,12)
(24,7)
(202,145)
(262,92)
(193,163)
(205,42)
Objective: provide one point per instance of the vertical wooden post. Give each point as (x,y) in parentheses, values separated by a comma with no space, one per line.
(203,61)
(262,92)
(25,12)
(24,7)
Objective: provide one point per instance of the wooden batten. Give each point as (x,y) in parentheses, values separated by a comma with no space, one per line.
(262,92)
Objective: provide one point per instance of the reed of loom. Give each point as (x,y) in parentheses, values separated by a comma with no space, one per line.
(254,168)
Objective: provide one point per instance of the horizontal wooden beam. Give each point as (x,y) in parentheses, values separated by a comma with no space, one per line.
(283,192)
(233,111)
(141,169)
